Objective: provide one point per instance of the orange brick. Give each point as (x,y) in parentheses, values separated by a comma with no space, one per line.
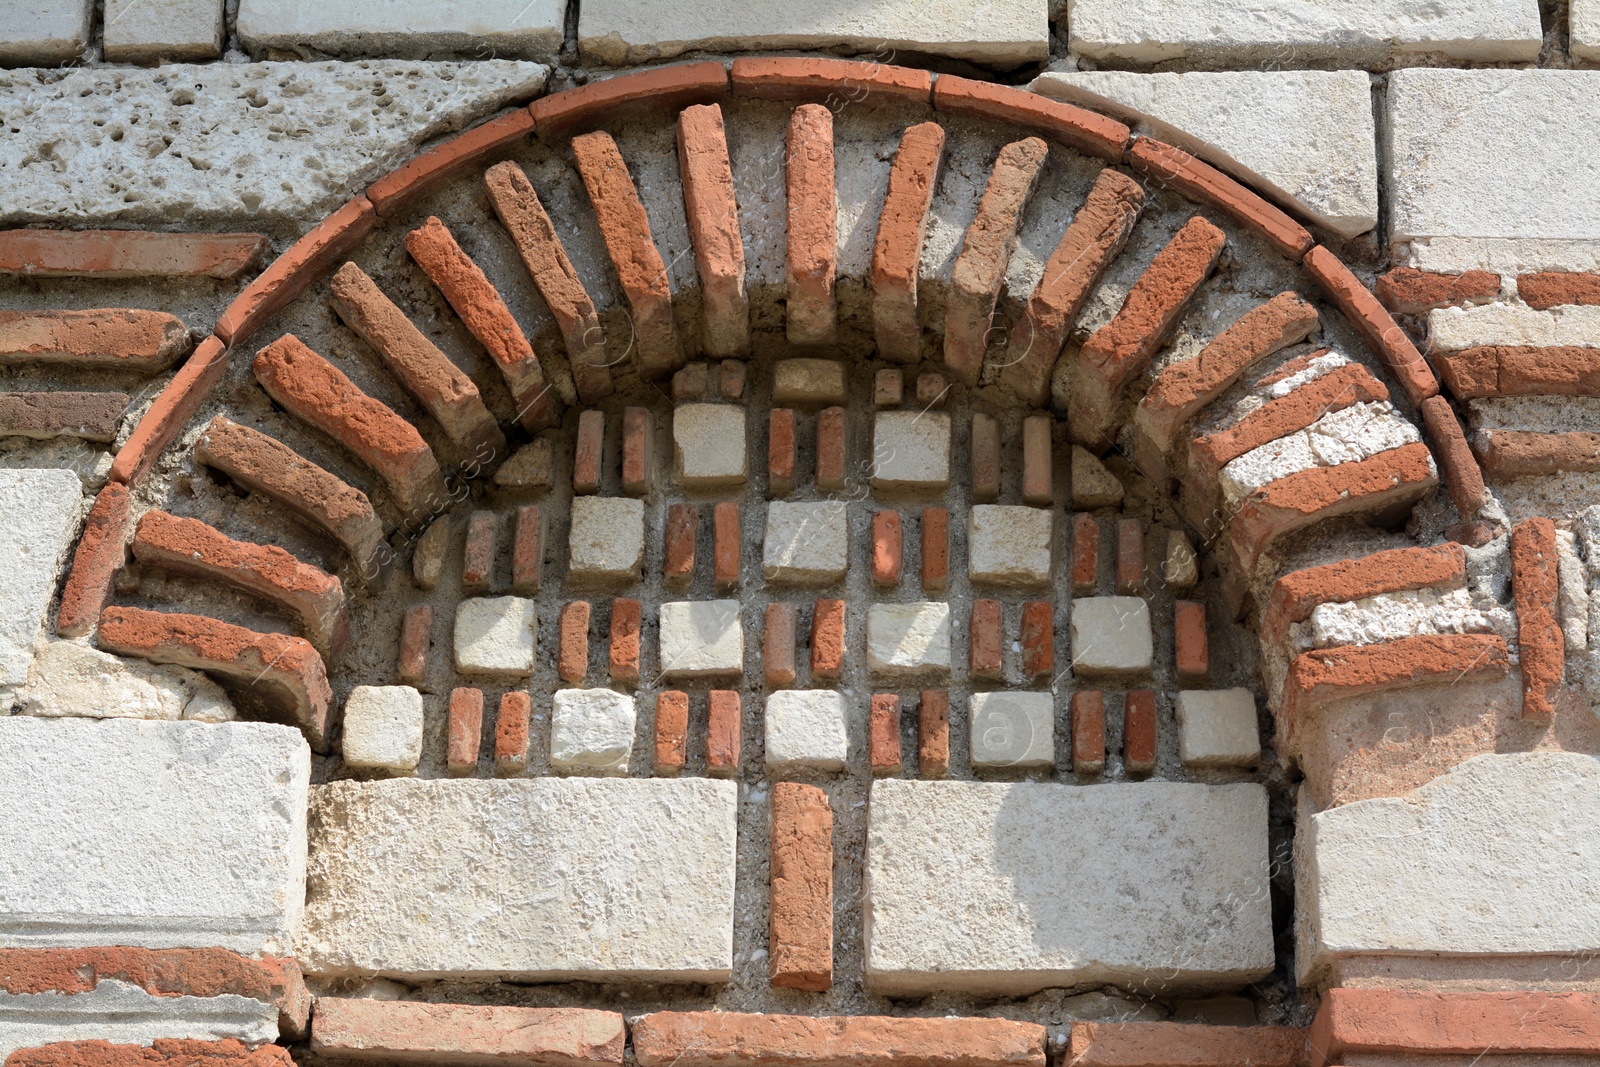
(1407,291)
(626,617)
(1130,557)
(713,216)
(351,1029)
(935,549)
(465,731)
(1521,370)
(897,249)
(1376,326)
(572,655)
(1038,640)
(710,1038)
(527,556)
(511,734)
(1038,478)
(827,641)
(100,554)
(1073,126)
(672,732)
(1353,1025)
(638,451)
(108,254)
(477,557)
(588,456)
(985,459)
(800,933)
(832,435)
(1088,731)
(1085,554)
(1139,732)
(811,245)
(1462,475)
(174,406)
(440,164)
(883,737)
(836,82)
(1185,1044)
(683,521)
(886,548)
(162,1052)
(777,645)
(985,636)
(933,733)
(725,548)
(114,339)
(1536,588)
(416,633)
(780,452)
(1297,594)
(722,734)
(1173,168)
(1190,654)
(605,100)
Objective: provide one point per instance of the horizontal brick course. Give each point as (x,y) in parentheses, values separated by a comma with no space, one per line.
(715,1039)
(368,1030)
(1509,454)
(1184,1045)
(46,415)
(163,1052)
(1512,370)
(833,82)
(1295,595)
(1354,1023)
(1074,127)
(1548,289)
(1408,291)
(108,254)
(121,339)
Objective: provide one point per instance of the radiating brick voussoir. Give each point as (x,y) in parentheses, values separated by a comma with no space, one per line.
(111,254)
(1408,291)
(1376,326)
(173,408)
(163,1052)
(1296,595)
(726,1039)
(608,99)
(424,173)
(287,668)
(811,248)
(99,555)
(1073,126)
(830,82)
(1184,1045)
(713,217)
(366,1030)
(118,339)
(1353,1023)
(1176,169)
(1535,588)
(897,248)
(1457,464)
(1520,370)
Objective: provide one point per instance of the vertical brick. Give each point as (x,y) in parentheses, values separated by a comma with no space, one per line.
(888,386)
(1088,731)
(511,734)
(777,645)
(831,433)
(897,250)
(1535,591)
(97,559)
(883,738)
(1139,732)
(1038,640)
(886,550)
(1038,476)
(780,452)
(725,544)
(800,930)
(812,243)
(713,217)
(672,732)
(827,641)
(933,733)
(722,734)
(477,557)
(935,549)
(589,454)
(730,379)
(572,650)
(1085,554)
(677,566)
(1130,557)
(527,555)
(626,616)
(985,636)
(1190,654)
(416,631)
(638,451)
(985,459)
(465,729)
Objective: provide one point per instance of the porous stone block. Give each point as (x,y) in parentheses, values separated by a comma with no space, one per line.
(701,639)
(1009,545)
(1003,889)
(139,31)
(591,731)
(495,636)
(806,544)
(383,728)
(67,678)
(412,28)
(1217,728)
(1111,636)
(1012,731)
(909,640)
(40,516)
(805,731)
(911,450)
(606,543)
(536,879)
(708,445)
(151,834)
(43,35)
(808,381)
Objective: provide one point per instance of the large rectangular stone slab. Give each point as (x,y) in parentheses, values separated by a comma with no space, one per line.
(1003,889)
(37,522)
(539,879)
(408,28)
(151,834)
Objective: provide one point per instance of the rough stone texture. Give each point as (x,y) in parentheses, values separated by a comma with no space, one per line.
(805,731)
(37,524)
(173,30)
(1012,731)
(710,1039)
(1349,435)
(808,381)
(910,450)
(1111,636)
(1217,728)
(367,1030)
(383,728)
(1069,885)
(1304,138)
(1009,545)
(606,544)
(806,544)
(1454,329)
(496,636)
(120,1012)
(476,29)
(908,640)
(591,731)
(708,445)
(69,679)
(1092,485)
(151,834)
(337,125)
(470,878)
(701,639)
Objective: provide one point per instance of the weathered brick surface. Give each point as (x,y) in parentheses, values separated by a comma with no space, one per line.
(108,254)
(627,615)
(897,251)
(1297,594)
(1088,731)
(1184,1045)
(1536,587)
(44,415)
(672,732)
(163,1052)
(833,81)
(985,449)
(1038,472)
(1544,290)
(883,734)
(1192,662)
(1508,454)
(381,1031)
(572,642)
(985,638)
(886,548)
(811,242)
(416,635)
(780,452)
(108,339)
(1072,126)
(100,554)
(935,567)
(723,714)
(725,544)
(1408,291)
(443,163)
(176,403)
(1173,168)
(511,733)
(1462,475)
(709,1039)
(588,453)
(833,437)
(1376,326)
(464,730)
(1038,640)
(800,936)
(527,550)
(608,99)
(1130,557)
(1353,1023)
(683,522)
(933,733)
(1085,554)
(638,451)
(827,640)
(730,379)
(713,216)
(1513,370)
(477,554)
(1139,726)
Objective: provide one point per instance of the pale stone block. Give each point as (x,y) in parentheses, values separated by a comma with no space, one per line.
(1092,485)
(1009,545)
(68,678)
(37,524)
(1453,329)
(808,381)
(911,450)
(495,636)
(806,543)
(529,466)
(1348,435)
(142,30)
(908,640)
(1004,889)
(43,34)
(805,731)
(1182,567)
(1013,731)
(124,1014)
(534,879)
(411,28)
(1111,636)
(383,728)
(1217,728)
(1391,616)
(1533,414)
(701,639)
(606,543)
(709,445)
(1584,17)
(591,731)
(151,834)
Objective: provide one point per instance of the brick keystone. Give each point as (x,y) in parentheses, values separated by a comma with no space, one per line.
(112,254)
(485,315)
(99,555)
(610,99)
(811,240)
(897,249)
(1544,290)
(800,931)
(1173,168)
(1462,476)
(1074,127)
(834,82)
(1535,589)
(426,373)
(46,415)
(117,339)
(1518,370)
(1376,326)
(1408,291)
(162,1052)
(383,1031)
(189,546)
(1296,595)
(314,390)
(1184,1045)
(413,180)
(1353,1023)
(174,406)
(713,217)
(286,670)
(1509,454)
(287,277)
(715,1039)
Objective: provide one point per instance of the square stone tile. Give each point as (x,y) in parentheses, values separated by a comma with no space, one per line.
(1218,728)
(701,639)
(806,544)
(1010,545)
(911,450)
(591,731)
(1111,637)
(809,381)
(805,731)
(606,543)
(1013,731)
(708,445)
(383,728)
(495,636)
(909,640)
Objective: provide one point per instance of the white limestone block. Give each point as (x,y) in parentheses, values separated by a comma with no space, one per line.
(1534,414)
(1584,18)
(1391,616)
(591,731)
(151,834)
(68,678)
(43,34)
(1013,731)
(908,640)
(535,879)
(808,381)
(409,28)
(37,524)
(911,450)
(701,639)
(1306,138)
(1111,636)
(1012,546)
(1217,728)
(1092,485)
(806,543)
(1453,329)
(1348,435)
(708,445)
(383,728)
(124,1014)
(495,636)
(605,545)
(145,30)
(805,731)
(1004,889)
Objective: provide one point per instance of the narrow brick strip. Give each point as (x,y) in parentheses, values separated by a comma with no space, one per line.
(886,548)
(625,228)
(100,554)
(572,645)
(1462,475)
(897,250)
(1352,1024)
(47,415)
(416,636)
(1173,168)
(426,373)
(485,315)
(832,443)
(713,216)
(723,714)
(835,82)
(1515,370)
(1038,640)
(883,735)
(800,935)
(1544,290)
(1408,291)
(672,732)
(511,734)
(1088,731)
(588,452)
(173,408)
(1073,126)
(725,550)
(985,640)
(1038,470)
(317,392)
(780,452)
(985,459)
(1509,454)
(811,244)
(1535,588)
(286,670)
(1296,595)
(162,1052)
(1130,558)
(1139,732)
(464,730)
(114,254)
(935,569)
(527,550)
(287,277)
(1085,554)
(1191,656)
(1183,1045)
(638,451)
(718,1039)
(1376,326)
(1094,238)
(608,100)
(980,269)
(933,733)
(116,339)
(627,616)
(443,163)
(827,641)
(388,1031)
(683,525)
(517,205)
(477,554)
(778,644)
(264,465)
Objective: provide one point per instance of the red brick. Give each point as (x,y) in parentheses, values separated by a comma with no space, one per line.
(730,379)
(625,228)
(986,634)
(1088,731)
(883,735)
(722,734)
(465,730)
(588,457)
(162,1052)
(713,217)
(416,634)
(1184,1045)
(111,254)
(1359,1024)
(683,522)
(933,733)
(1172,168)
(836,82)
(1038,478)
(511,734)
(827,641)
(627,615)
(777,645)
(572,655)
(672,732)
(832,436)
(174,406)
(886,549)
(638,451)
(933,389)
(780,452)
(980,269)
(1511,454)
(443,163)
(1544,290)
(1139,732)
(1535,588)
(897,250)
(1296,595)
(407,1031)
(485,315)
(1376,326)
(1038,640)
(286,670)
(1072,126)
(1473,534)
(725,547)
(609,99)
(811,243)
(1457,464)
(286,277)
(1085,554)
(1408,291)
(1190,651)
(527,550)
(888,386)
(719,1038)
(1514,370)
(99,556)
(45,415)
(985,459)
(800,929)
(1130,557)
(477,555)
(935,549)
